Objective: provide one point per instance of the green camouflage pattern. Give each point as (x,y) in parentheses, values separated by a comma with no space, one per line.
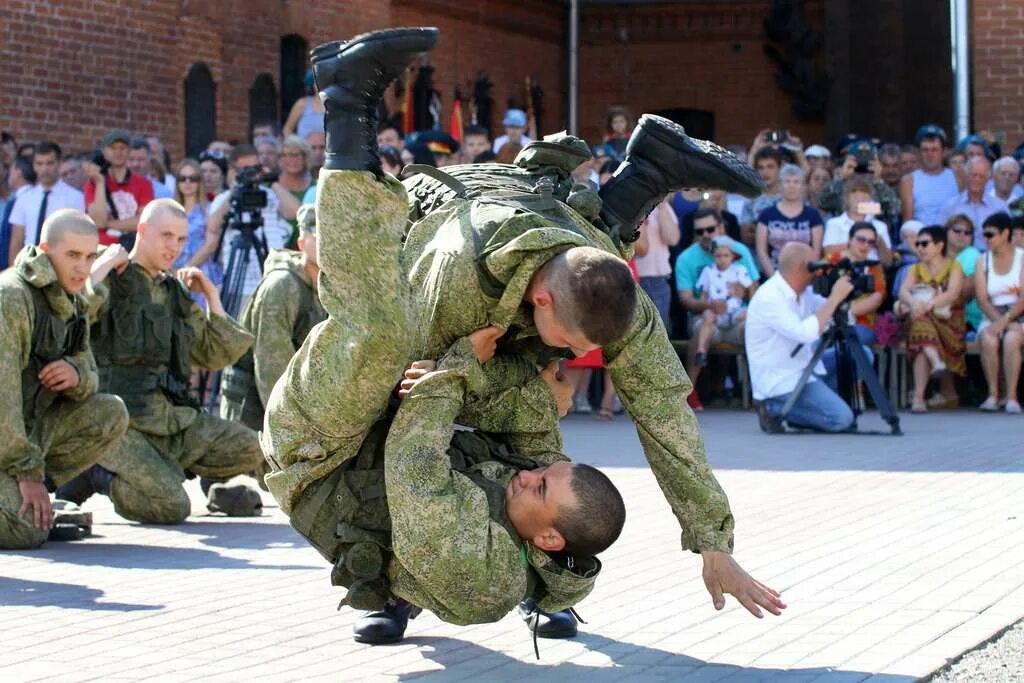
(168,442)
(74,432)
(271,315)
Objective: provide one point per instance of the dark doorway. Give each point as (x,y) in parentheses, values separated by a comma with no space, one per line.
(698,123)
(263,101)
(200,109)
(294,62)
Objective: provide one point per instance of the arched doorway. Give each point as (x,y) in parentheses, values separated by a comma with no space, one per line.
(294,61)
(263,101)
(200,109)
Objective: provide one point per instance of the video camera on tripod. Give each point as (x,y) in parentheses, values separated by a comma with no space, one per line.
(245,216)
(827,274)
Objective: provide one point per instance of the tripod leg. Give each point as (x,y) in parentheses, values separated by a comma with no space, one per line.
(825,342)
(878,395)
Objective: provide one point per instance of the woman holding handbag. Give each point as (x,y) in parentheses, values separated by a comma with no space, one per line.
(931,295)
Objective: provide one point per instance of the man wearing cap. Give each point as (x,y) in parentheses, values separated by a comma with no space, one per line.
(515,130)
(114,196)
(442,145)
(860,161)
(818,156)
(927,190)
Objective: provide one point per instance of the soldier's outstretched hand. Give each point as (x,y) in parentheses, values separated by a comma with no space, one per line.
(723,574)
(34,495)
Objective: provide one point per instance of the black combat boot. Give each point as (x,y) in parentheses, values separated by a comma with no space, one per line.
(547,624)
(236,500)
(96,479)
(661,158)
(388,625)
(352,77)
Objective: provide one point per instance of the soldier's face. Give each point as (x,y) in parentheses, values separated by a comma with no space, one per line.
(533,500)
(161,241)
(72,256)
(556,335)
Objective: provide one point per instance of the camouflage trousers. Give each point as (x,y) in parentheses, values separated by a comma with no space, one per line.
(73,435)
(151,469)
(339,382)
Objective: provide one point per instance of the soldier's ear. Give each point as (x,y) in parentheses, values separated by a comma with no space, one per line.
(549,540)
(541,298)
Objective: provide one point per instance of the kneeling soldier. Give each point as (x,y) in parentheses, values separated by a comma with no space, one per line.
(55,425)
(147,334)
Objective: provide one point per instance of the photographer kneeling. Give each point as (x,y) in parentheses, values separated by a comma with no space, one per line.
(784,320)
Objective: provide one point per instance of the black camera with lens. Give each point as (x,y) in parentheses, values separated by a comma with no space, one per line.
(248,195)
(864,152)
(827,274)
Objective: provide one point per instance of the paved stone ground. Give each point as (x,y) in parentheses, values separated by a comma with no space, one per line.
(895,555)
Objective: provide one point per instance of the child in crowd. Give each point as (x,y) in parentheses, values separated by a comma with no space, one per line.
(726,284)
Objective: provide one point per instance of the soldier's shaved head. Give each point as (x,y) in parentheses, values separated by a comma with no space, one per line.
(593,293)
(65,221)
(158,208)
(595,522)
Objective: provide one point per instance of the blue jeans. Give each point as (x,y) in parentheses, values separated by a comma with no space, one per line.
(866,336)
(661,294)
(818,407)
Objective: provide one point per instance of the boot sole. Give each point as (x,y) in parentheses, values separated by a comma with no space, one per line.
(673,135)
(336,47)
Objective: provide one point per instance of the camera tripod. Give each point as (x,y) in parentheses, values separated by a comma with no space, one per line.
(851,363)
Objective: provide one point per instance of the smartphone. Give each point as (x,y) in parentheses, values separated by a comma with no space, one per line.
(777,136)
(869,208)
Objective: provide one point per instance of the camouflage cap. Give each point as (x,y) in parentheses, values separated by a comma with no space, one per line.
(306,218)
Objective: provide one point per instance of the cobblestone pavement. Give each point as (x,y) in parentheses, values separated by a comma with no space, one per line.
(895,555)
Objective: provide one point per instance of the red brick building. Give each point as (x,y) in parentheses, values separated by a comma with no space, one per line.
(71,69)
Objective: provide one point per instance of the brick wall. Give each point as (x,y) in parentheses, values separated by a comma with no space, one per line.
(996,65)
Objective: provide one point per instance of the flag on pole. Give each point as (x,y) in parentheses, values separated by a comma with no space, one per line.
(408,120)
(455,126)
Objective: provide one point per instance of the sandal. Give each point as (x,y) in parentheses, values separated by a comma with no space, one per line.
(919,408)
(605,414)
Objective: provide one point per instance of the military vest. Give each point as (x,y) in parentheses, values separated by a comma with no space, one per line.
(52,339)
(142,346)
(238,383)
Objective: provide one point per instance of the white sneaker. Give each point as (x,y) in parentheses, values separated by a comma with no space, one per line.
(990,405)
(1013,407)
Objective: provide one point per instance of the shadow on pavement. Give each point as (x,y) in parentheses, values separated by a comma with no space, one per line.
(238,533)
(21,593)
(626,659)
(132,556)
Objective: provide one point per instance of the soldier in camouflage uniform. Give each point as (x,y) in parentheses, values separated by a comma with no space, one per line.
(147,334)
(280,314)
(55,425)
(482,243)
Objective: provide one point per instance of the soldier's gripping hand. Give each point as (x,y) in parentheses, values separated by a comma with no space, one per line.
(59,375)
(723,574)
(114,257)
(35,496)
(485,342)
(560,387)
(413,374)
(196,281)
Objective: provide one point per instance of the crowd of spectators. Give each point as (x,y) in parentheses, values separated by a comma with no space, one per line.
(941,221)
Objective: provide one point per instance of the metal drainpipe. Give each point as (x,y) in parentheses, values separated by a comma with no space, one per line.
(574,64)
(961,67)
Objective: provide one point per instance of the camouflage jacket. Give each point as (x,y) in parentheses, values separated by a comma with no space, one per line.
(455,552)
(469,264)
(218,341)
(19,456)
(273,313)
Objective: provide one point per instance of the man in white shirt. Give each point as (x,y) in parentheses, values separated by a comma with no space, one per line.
(857,198)
(515,123)
(784,321)
(49,195)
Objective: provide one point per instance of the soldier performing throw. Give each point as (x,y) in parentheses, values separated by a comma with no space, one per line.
(147,335)
(54,423)
(494,245)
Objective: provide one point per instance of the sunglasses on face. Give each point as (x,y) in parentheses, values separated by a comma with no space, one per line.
(989,234)
(921,244)
(188,179)
(870,241)
(703,231)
